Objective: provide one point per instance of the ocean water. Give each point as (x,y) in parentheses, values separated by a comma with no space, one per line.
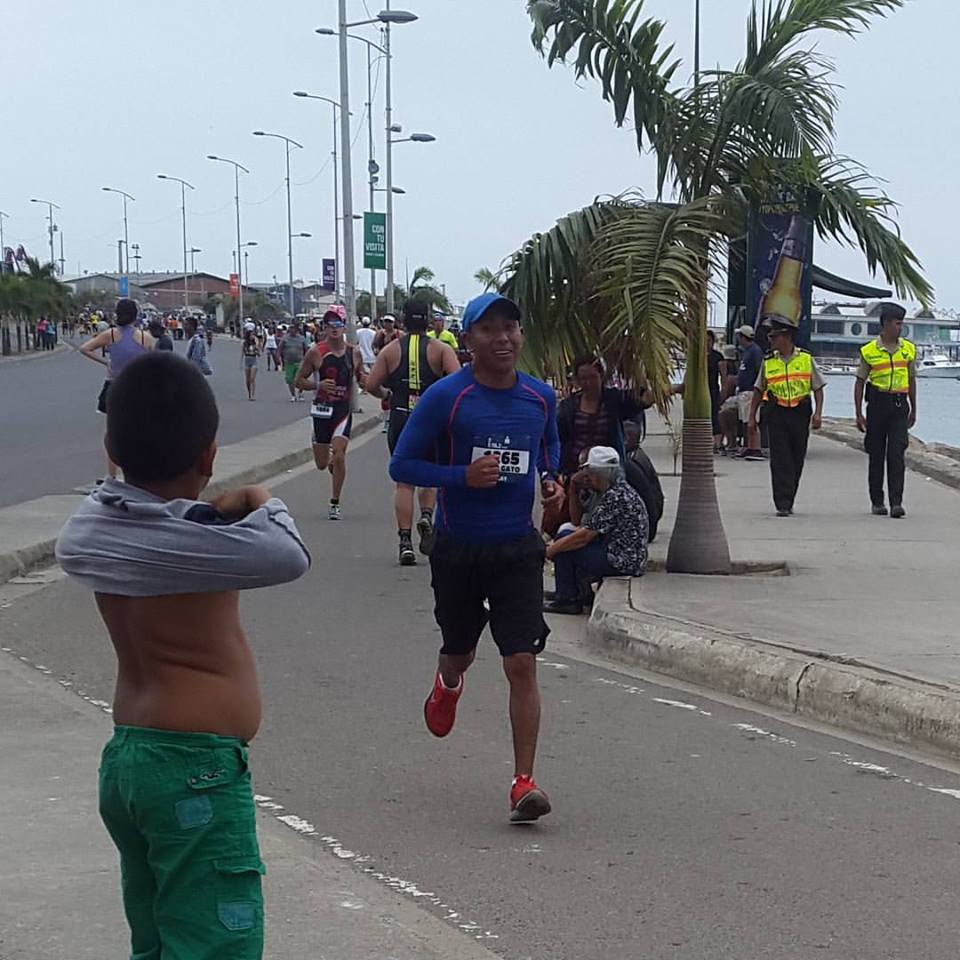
(938,402)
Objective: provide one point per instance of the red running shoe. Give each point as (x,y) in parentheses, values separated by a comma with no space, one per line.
(440,709)
(527,801)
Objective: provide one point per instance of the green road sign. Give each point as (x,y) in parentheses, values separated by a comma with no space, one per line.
(374,241)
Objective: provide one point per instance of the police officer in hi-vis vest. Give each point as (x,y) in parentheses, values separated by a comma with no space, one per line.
(887,368)
(787,380)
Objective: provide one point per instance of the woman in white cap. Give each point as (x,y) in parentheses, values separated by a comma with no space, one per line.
(611,541)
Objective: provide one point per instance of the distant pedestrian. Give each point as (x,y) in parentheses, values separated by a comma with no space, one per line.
(250,357)
(887,375)
(270,345)
(788,379)
(293,348)
(161,338)
(197,347)
(165,568)
(439,332)
(115,348)
(751,360)
(365,338)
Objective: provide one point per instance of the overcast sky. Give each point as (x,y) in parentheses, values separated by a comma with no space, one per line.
(112,93)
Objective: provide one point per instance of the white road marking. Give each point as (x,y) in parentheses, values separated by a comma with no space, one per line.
(679,704)
(760,732)
(365,863)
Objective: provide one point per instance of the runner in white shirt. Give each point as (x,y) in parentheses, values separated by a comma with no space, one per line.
(365,337)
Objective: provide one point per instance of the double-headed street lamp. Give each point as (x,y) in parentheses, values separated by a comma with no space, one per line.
(372,168)
(336,186)
(193,262)
(245,272)
(290,144)
(51,227)
(386,17)
(183,216)
(126,236)
(413,138)
(237,167)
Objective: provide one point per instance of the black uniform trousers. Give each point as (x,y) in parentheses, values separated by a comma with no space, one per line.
(886,442)
(789,431)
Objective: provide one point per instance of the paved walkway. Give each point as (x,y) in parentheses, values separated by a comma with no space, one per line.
(872,588)
(59,875)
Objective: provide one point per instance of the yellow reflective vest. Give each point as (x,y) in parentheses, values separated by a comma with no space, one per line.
(789,382)
(889,372)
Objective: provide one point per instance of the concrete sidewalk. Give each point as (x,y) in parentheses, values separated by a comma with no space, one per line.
(59,878)
(29,530)
(861,631)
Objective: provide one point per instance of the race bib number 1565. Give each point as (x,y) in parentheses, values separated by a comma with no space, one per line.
(512,453)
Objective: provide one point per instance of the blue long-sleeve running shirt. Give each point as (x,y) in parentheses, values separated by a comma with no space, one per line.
(457,421)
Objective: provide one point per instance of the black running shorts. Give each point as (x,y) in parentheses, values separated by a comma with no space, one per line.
(338,424)
(508,576)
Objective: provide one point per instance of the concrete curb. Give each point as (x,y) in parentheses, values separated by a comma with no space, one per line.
(287,461)
(20,561)
(837,691)
(26,357)
(922,458)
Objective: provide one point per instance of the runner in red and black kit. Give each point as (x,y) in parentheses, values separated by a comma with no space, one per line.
(335,365)
(406,368)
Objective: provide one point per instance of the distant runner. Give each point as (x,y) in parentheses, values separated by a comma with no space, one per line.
(407,367)
(336,365)
(496,430)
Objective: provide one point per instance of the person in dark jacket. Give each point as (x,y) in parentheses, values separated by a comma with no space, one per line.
(592,416)
(642,476)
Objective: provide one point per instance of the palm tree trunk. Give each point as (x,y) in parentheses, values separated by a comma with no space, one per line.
(698,543)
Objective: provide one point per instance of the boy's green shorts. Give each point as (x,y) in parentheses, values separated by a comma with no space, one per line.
(179,807)
(290,371)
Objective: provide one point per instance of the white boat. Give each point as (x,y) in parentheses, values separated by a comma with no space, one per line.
(938,365)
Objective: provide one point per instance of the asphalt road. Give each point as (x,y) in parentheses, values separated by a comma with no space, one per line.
(51,435)
(683,828)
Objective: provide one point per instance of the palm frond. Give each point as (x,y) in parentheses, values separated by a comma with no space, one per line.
(778,24)
(610,43)
(648,269)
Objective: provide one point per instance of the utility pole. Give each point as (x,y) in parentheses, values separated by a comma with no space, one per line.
(349,265)
(136,255)
(2,215)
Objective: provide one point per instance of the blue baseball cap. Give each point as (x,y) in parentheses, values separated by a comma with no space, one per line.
(478,306)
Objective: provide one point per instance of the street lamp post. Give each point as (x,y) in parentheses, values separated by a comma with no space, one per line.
(126,236)
(193,261)
(336,186)
(237,167)
(372,167)
(183,216)
(2,216)
(246,272)
(289,145)
(51,228)
(136,255)
(413,138)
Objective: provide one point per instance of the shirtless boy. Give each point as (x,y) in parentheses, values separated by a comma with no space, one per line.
(175,791)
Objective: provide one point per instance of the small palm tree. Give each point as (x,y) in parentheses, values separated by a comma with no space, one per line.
(423,289)
(630,276)
(487,279)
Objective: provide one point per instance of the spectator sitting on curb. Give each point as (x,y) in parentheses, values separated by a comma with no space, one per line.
(611,541)
(590,417)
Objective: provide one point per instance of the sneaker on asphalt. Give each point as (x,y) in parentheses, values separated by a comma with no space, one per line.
(571,607)
(426,534)
(527,801)
(784,513)
(878,510)
(440,708)
(407,557)
(334,512)
(753,455)
(897,511)
(293,399)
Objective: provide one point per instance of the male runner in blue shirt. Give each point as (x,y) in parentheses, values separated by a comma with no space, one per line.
(485,436)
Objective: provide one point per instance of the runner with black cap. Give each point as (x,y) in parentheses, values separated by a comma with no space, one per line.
(404,369)
(496,433)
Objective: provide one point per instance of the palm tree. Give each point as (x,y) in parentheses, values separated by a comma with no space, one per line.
(629,276)
(487,279)
(423,289)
